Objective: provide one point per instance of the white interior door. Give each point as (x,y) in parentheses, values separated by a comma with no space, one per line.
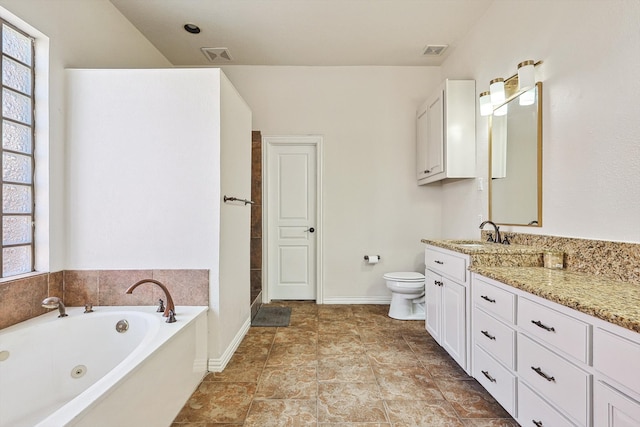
(291,218)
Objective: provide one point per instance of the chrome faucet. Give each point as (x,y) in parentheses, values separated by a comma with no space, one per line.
(498,239)
(54,302)
(170,308)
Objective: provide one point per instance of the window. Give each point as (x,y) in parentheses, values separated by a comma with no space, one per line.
(17,124)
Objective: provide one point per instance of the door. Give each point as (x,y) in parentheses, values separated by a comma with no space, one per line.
(291,218)
(454,324)
(433,303)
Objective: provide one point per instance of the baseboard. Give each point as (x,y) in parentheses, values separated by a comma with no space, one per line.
(357,300)
(218,365)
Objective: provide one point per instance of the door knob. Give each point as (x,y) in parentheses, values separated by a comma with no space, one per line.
(311,230)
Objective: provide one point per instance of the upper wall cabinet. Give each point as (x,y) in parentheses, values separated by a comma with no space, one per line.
(446,133)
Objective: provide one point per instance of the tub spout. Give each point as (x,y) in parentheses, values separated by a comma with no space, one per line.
(170,307)
(54,302)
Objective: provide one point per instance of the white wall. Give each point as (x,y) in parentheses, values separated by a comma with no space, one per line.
(372,204)
(81,34)
(591,131)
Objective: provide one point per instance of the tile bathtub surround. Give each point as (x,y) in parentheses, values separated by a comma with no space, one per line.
(21,299)
(341,365)
(617,260)
(107,287)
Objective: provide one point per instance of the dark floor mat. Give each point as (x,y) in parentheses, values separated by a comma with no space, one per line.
(272,316)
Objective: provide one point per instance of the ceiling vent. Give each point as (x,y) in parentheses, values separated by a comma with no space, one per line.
(434,49)
(216,54)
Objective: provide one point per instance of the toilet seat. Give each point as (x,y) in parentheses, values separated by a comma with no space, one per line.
(404,276)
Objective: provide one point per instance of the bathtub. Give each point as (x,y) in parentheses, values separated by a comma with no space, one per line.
(79,371)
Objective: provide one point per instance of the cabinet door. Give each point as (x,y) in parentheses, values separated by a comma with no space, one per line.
(454,335)
(433,303)
(421,142)
(435,134)
(614,409)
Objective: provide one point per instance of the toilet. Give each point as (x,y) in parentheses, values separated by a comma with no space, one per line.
(407,295)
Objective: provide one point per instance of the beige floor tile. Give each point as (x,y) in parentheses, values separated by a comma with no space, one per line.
(287,382)
(282,413)
(470,399)
(411,413)
(406,383)
(490,422)
(216,402)
(345,368)
(292,354)
(350,402)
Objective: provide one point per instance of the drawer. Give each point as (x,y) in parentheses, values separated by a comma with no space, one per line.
(555,378)
(446,264)
(495,378)
(564,332)
(495,337)
(494,300)
(534,411)
(617,358)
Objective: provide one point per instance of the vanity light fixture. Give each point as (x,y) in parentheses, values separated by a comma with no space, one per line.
(486,108)
(526,75)
(496,88)
(528,97)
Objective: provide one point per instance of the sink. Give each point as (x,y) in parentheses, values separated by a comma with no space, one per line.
(470,245)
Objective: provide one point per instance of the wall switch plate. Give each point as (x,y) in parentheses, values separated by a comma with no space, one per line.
(480,184)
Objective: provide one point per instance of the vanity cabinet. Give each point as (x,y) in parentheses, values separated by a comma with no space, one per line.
(549,365)
(446,295)
(446,133)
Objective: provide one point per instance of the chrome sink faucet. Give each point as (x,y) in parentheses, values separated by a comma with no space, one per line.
(170,309)
(497,239)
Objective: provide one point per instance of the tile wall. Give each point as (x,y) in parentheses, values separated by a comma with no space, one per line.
(20,299)
(256,221)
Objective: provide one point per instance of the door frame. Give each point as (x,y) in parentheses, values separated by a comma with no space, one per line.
(268,142)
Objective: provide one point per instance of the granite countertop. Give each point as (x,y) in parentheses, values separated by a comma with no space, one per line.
(599,296)
(520,266)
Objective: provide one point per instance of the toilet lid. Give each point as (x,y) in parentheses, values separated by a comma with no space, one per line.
(404,276)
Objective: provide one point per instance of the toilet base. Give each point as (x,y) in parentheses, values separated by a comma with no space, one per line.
(407,307)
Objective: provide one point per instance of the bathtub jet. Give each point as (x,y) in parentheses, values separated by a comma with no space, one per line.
(55,302)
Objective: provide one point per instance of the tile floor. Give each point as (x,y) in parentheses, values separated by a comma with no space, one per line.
(341,365)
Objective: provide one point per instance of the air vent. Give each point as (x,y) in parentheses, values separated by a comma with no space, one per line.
(434,49)
(216,54)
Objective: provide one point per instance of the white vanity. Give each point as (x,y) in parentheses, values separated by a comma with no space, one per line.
(553,347)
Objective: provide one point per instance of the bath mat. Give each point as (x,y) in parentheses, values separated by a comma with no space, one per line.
(272,316)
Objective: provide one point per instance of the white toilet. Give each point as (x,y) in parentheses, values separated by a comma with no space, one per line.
(407,295)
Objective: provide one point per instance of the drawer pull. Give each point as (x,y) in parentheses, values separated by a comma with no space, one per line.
(486,298)
(543,375)
(488,335)
(439,262)
(489,377)
(543,326)
(537,423)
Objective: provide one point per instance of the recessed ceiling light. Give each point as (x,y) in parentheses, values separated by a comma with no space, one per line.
(192,28)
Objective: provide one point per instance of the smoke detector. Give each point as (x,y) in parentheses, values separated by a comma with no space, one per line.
(434,49)
(216,54)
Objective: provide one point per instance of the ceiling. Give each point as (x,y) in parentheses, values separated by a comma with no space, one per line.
(304,32)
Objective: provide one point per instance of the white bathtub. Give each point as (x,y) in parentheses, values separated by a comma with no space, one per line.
(141,377)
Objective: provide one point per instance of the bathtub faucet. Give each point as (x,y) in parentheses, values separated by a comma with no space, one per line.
(54,302)
(170,307)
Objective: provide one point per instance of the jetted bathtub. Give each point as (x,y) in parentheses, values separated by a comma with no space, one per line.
(80,371)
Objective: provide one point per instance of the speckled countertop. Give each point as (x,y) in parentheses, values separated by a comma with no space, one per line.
(600,296)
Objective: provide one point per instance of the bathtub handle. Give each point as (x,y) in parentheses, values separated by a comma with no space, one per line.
(172,317)
(160,306)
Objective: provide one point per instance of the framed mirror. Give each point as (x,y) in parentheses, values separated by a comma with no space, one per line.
(515,158)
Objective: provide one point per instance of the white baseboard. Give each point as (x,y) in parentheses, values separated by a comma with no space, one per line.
(218,365)
(357,300)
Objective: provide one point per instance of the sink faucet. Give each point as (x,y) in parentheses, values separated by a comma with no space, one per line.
(170,308)
(54,302)
(498,239)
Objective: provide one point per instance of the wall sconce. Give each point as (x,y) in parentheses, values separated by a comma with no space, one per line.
(486,108)
(521,85)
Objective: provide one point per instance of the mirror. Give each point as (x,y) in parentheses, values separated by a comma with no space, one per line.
(515,158)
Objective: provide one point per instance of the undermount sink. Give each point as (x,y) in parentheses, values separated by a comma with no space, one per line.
(468,243)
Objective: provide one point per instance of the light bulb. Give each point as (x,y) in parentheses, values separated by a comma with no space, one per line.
(496,88)
(486,108)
